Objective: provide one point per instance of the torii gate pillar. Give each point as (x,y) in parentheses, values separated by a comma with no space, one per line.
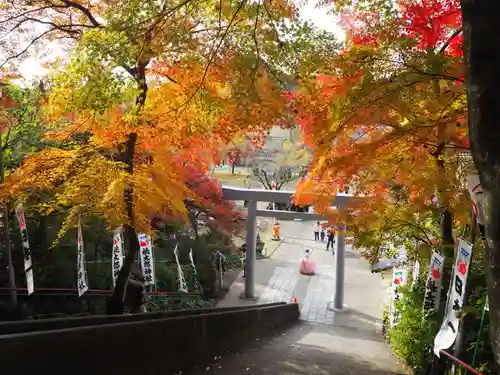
(338,299)
(251,241)
(252,196)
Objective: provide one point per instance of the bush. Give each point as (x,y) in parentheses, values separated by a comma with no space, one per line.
(169,303)
(413,337)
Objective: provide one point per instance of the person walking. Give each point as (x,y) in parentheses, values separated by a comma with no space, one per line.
(331,239)
(322,234)
(316,230)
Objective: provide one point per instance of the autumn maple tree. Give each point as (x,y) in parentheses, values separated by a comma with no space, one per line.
(20,133)
(208,206)
(149,89)
(391,116)
(387,116)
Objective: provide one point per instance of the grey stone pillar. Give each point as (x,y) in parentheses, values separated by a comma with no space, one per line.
(251,240)
(338,302)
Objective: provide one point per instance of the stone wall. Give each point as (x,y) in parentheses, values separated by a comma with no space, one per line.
(154,346)
(8,328)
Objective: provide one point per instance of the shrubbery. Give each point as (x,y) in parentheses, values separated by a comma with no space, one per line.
(413,337)
(56,267)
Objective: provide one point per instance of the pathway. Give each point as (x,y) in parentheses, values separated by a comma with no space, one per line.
(325,342)
(278,279)
(310,349)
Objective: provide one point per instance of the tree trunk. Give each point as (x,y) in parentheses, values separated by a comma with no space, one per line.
(446,216)
(8,249)
(6,237)
(116,303)
(41,240)
(482,56)
(193,219)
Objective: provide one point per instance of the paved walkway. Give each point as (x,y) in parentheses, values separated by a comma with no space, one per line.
(310,349)
(278,279)
(325,342)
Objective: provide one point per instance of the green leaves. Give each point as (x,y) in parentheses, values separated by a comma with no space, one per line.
(23,136)
(412,338)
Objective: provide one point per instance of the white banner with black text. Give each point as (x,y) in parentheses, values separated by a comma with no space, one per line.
(117,254)
(81,264)
(146,256)
(399,279)
(433,283)
(28,266)
(449,329)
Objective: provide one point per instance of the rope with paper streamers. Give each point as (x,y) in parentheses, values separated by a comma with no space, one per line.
(196,282)
(182,285)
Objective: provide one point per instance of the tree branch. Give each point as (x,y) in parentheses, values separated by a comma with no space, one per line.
(450,39)
(33,41)
(84,10)
(254,35)
(209,62)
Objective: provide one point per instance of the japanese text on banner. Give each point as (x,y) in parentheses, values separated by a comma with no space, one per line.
(449,329)
(26,248)
(146,256)
(433,284)
(117,255)
(399,279)
(81,277)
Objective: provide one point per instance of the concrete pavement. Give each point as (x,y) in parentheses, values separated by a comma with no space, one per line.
(278,279)
(326,342)
(309,349)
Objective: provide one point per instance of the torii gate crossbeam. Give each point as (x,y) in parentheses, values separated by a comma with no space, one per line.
(252,196)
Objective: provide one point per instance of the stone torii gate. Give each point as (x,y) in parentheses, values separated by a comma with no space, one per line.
(252,196)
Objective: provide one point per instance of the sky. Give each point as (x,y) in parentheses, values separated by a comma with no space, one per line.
(31,68)
(321,18)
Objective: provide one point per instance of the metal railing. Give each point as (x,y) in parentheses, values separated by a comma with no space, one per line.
(462,364)
(56,291)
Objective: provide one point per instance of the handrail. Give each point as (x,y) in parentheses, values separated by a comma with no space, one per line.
(99,291)
(461,363)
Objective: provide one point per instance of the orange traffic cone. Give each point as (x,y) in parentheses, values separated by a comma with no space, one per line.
(295,300)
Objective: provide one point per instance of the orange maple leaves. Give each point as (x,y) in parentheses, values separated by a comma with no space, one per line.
(373,122)
(190,113)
